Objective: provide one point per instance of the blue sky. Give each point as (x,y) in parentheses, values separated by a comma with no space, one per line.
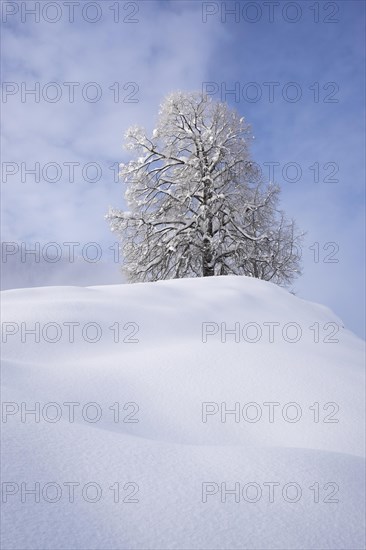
(170,47)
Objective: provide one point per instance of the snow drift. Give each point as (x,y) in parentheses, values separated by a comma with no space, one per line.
(214,413)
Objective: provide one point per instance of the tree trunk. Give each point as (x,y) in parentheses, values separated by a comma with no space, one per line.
(207,267)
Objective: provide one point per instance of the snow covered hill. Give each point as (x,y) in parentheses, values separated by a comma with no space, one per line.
(216,413)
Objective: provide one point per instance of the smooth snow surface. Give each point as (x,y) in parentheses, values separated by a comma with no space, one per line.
(170,457)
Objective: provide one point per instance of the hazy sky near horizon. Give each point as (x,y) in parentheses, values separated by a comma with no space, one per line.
(294,70)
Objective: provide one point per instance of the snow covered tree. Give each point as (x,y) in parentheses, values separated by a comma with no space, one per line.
(274,255)
(197,207)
